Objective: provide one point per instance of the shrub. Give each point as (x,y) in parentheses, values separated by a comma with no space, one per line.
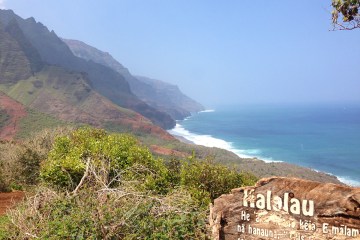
(116,214)
(108,186)
(111,157)
(20,162)
(3,185)
(29,161)
(208,180)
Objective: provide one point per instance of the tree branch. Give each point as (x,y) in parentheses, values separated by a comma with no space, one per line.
(83,177)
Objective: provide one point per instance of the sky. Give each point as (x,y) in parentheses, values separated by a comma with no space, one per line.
(217,52)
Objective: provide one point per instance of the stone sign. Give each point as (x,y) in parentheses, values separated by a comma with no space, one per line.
(289,209)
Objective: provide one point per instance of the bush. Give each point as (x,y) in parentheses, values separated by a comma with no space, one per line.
(29,161)
(3,185)
(108,186)
(116,214)
(111,157)
(20,162)
(208,180)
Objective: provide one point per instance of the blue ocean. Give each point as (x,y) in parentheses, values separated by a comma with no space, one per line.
(323,137)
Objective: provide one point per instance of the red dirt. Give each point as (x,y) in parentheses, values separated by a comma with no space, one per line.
(7,200)
(16,111)
(166,151)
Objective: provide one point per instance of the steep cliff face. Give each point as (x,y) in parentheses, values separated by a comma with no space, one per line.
(14,64)
(103,79)
(31,53)
(158,94)
(167,97)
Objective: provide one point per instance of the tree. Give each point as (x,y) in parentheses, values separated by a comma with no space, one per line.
(345,14)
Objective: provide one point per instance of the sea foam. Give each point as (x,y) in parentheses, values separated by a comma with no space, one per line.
(207,111)
(210,141)
(349,181)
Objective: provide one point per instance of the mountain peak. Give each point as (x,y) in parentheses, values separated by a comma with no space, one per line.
(88,53)
(160,95)
(31,19)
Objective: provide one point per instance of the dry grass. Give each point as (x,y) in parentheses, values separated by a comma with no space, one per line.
(17,161)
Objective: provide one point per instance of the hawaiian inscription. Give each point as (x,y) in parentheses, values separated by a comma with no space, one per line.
(287,208)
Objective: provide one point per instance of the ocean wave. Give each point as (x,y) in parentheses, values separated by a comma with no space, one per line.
(210,141)
(349,181)
(207,111)
(344,179)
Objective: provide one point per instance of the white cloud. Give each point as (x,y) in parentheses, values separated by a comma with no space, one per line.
(2,4)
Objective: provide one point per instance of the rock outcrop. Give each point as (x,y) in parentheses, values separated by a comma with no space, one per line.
(287,208)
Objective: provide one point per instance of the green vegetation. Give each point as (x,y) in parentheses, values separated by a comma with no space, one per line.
(349,10)
(43,121)
(4,221)
(95,185)
(20,162)
(50,83)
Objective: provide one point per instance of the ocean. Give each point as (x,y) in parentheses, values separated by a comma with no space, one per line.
(323,137)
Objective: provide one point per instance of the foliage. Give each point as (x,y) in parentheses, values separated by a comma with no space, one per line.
(20,162)
(30,165)
(108,156)
(113,214)
(3,185)
(35,122)
(209,180)
(4,221)
(349,10)
(108,186)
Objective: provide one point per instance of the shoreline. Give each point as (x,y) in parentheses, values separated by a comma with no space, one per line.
(182,139)
(256,161)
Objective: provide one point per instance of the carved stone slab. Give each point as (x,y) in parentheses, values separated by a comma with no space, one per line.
(289,209)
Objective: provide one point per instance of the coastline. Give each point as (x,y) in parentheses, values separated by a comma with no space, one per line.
(253,163)
(182,139)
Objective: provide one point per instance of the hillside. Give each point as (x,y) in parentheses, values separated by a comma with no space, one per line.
(69,97)
(14,64)
(11,113)
(102,79)
(167,97)
(64,94)
(158,94)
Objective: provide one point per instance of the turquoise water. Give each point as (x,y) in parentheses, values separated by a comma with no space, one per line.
(324,138)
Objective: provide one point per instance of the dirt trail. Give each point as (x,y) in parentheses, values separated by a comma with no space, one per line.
(7,200)
(16,111)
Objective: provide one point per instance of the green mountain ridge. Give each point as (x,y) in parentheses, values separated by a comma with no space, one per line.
(14,64)
(168,97)
(59,92)
(104,80)
(158,94)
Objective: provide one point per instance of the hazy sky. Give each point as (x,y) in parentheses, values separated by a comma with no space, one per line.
(232,51)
